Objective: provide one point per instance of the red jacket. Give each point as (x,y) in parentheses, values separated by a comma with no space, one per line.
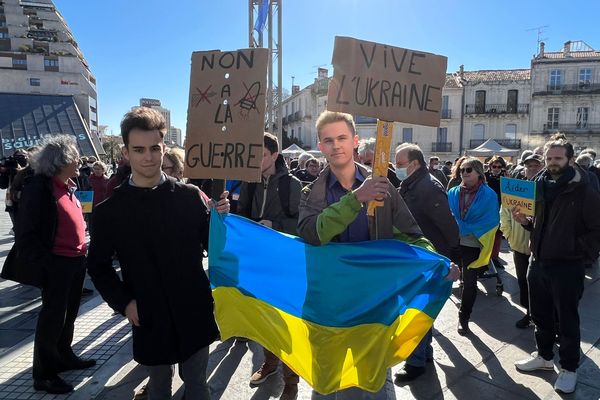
(98,184)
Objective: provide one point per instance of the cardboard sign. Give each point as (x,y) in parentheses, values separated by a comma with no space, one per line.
(385,82)
(518,193)
(226,114)
(86,198)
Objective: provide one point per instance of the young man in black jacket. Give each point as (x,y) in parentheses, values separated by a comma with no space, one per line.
(564,233)
(158,228)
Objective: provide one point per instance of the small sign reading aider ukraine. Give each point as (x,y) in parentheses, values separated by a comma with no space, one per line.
(518,193)
(86,198)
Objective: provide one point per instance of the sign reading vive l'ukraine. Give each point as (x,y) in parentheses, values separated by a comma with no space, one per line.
(518,193)
(339,315)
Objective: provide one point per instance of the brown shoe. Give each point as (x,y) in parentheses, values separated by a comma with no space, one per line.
(290,392)
(262,374)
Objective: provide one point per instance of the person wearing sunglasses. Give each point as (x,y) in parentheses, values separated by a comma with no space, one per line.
(496,170)
(475,207)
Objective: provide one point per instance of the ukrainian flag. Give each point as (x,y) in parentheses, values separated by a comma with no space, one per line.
(482,220)
(338,315)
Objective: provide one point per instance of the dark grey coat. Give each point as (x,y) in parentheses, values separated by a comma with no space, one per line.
(428,202)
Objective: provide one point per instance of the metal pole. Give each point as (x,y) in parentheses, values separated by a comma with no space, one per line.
(279,75)
(269,112)
(251,23)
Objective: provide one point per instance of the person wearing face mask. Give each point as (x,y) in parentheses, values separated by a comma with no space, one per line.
(427,201)
(435,169)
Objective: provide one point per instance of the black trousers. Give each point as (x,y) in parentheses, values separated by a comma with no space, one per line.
(555,291)
(521,267)
(469,276)
(61,295)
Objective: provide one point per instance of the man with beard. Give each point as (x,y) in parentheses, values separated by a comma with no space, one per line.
(564,233)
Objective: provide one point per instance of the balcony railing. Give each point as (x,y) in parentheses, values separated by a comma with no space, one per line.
(572,128)
(284,121)
(508,143)
(446,114)
(497,109)
(441,147)
(571,88)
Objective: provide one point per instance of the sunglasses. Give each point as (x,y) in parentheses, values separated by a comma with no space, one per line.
(496,166)
(467,170)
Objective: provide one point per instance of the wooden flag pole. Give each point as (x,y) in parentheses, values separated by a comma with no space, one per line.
(381,157)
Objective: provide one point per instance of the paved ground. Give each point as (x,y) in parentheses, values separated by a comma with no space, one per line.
(476,367)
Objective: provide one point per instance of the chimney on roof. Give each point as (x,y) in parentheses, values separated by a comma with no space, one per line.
(542,47)
(295,89)
(461,71)
(567,49)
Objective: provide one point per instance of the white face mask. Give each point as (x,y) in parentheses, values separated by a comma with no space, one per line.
(402,173)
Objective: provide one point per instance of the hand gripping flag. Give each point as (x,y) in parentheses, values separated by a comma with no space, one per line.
(338,315)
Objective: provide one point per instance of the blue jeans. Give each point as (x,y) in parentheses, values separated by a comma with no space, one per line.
(423,352)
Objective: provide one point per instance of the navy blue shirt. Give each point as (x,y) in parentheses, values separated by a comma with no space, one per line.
(358,230)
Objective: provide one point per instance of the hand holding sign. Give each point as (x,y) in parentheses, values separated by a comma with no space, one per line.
(519,194)
(373,188)
(388,83)
(518,216)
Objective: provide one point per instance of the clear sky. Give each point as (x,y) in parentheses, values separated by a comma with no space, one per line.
(143,48)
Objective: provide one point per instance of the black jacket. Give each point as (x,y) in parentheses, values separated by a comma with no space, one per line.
(267,198)
(34,236)
(427,201)
(159,236)
(493,182)
(572,232)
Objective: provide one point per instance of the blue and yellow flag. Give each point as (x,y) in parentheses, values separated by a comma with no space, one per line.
(482,220)
(338,315)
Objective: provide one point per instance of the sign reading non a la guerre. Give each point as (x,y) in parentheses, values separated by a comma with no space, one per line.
(386,82)
(226,114)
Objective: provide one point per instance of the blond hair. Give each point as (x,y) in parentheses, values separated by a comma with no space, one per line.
(99,164)
(176,156)
(329,117)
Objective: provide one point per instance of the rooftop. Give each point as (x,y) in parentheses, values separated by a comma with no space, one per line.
(497,75)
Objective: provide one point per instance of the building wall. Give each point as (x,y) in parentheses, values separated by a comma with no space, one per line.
(72,77)
(567,101)
(175,136)
(498,121)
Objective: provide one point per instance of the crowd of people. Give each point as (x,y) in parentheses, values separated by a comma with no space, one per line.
(452,208)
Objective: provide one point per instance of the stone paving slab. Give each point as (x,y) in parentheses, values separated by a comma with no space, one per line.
(98,334)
